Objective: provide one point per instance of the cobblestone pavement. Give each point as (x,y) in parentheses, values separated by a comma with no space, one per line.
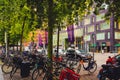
(100,59)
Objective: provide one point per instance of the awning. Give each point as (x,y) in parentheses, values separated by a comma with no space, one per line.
(93,45)
(117,45)
(103,43)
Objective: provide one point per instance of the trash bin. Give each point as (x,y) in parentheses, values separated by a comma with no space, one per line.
(25,69)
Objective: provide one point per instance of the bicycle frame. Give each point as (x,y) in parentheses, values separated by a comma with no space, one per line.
(91,65)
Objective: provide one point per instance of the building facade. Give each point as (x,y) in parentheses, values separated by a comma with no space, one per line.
(93,32)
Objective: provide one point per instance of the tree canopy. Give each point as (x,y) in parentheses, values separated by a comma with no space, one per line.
(112,6)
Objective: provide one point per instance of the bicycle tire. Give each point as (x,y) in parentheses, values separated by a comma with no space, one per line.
(103,78)
(46,77)
(13,72)
(94,68)
(36,74)
(78,68)
(6,68)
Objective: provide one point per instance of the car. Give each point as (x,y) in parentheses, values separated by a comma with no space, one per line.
(60,52)
(78,54)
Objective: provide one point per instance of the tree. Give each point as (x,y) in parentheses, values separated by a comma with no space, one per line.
(111,5)
(15,19)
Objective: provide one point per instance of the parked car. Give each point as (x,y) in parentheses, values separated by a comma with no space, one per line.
(61,52)
(78,54)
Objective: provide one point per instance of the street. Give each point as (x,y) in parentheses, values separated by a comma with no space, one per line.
(100,59)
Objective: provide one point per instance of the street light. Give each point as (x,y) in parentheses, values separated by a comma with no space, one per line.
(93,38)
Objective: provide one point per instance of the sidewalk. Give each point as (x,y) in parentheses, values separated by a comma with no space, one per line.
(1,74)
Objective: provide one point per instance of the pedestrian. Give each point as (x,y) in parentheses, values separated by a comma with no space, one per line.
(3,50)
(102,51)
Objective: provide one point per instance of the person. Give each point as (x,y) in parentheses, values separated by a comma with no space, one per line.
(3,50)
(109,60)
(102,51)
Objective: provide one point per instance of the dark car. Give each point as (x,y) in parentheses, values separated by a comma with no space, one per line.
(77,54)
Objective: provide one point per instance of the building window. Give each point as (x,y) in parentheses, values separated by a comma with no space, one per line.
(100,36)
(104,26)
(115,25)
(87,37)
(90,29)
(117,35)
(78,32)
(97,27)
(87,21)
(92,19)
(108,35)
(100,17)
(119,25)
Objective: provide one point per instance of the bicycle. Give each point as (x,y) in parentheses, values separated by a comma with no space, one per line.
(91,66)
(7,65)
(65,74)
(38,69)
(41,68)
(43,71)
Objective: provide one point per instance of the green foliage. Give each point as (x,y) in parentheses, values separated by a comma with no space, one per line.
(113,7)
(11,19)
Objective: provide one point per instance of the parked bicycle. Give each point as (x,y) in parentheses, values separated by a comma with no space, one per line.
(43,71)
(7,64)
(90,66)
(65,74)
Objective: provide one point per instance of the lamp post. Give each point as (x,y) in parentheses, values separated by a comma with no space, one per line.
(85,39)
(6,43)
(93,38)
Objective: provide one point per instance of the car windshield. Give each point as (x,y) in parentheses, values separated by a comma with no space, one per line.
(80,51)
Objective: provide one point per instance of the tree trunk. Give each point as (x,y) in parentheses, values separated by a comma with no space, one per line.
(50,33)
(22,33)
(50,28)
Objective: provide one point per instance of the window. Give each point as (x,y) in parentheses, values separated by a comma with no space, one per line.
(119,25)
(87,21)
(97,27)
(92,19)
(91,29)
(78,32)
(104,26)
(117,35)
(108,35)
(100,17)
(87,37)
(100,36)
(115,25)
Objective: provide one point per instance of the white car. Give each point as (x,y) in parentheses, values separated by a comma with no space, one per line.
(61,52)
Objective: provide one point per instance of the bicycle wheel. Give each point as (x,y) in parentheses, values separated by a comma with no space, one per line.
(37,74)
(6,68)
(78,68)
(93,68)
(103,78)
(46,77)
(14,69)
